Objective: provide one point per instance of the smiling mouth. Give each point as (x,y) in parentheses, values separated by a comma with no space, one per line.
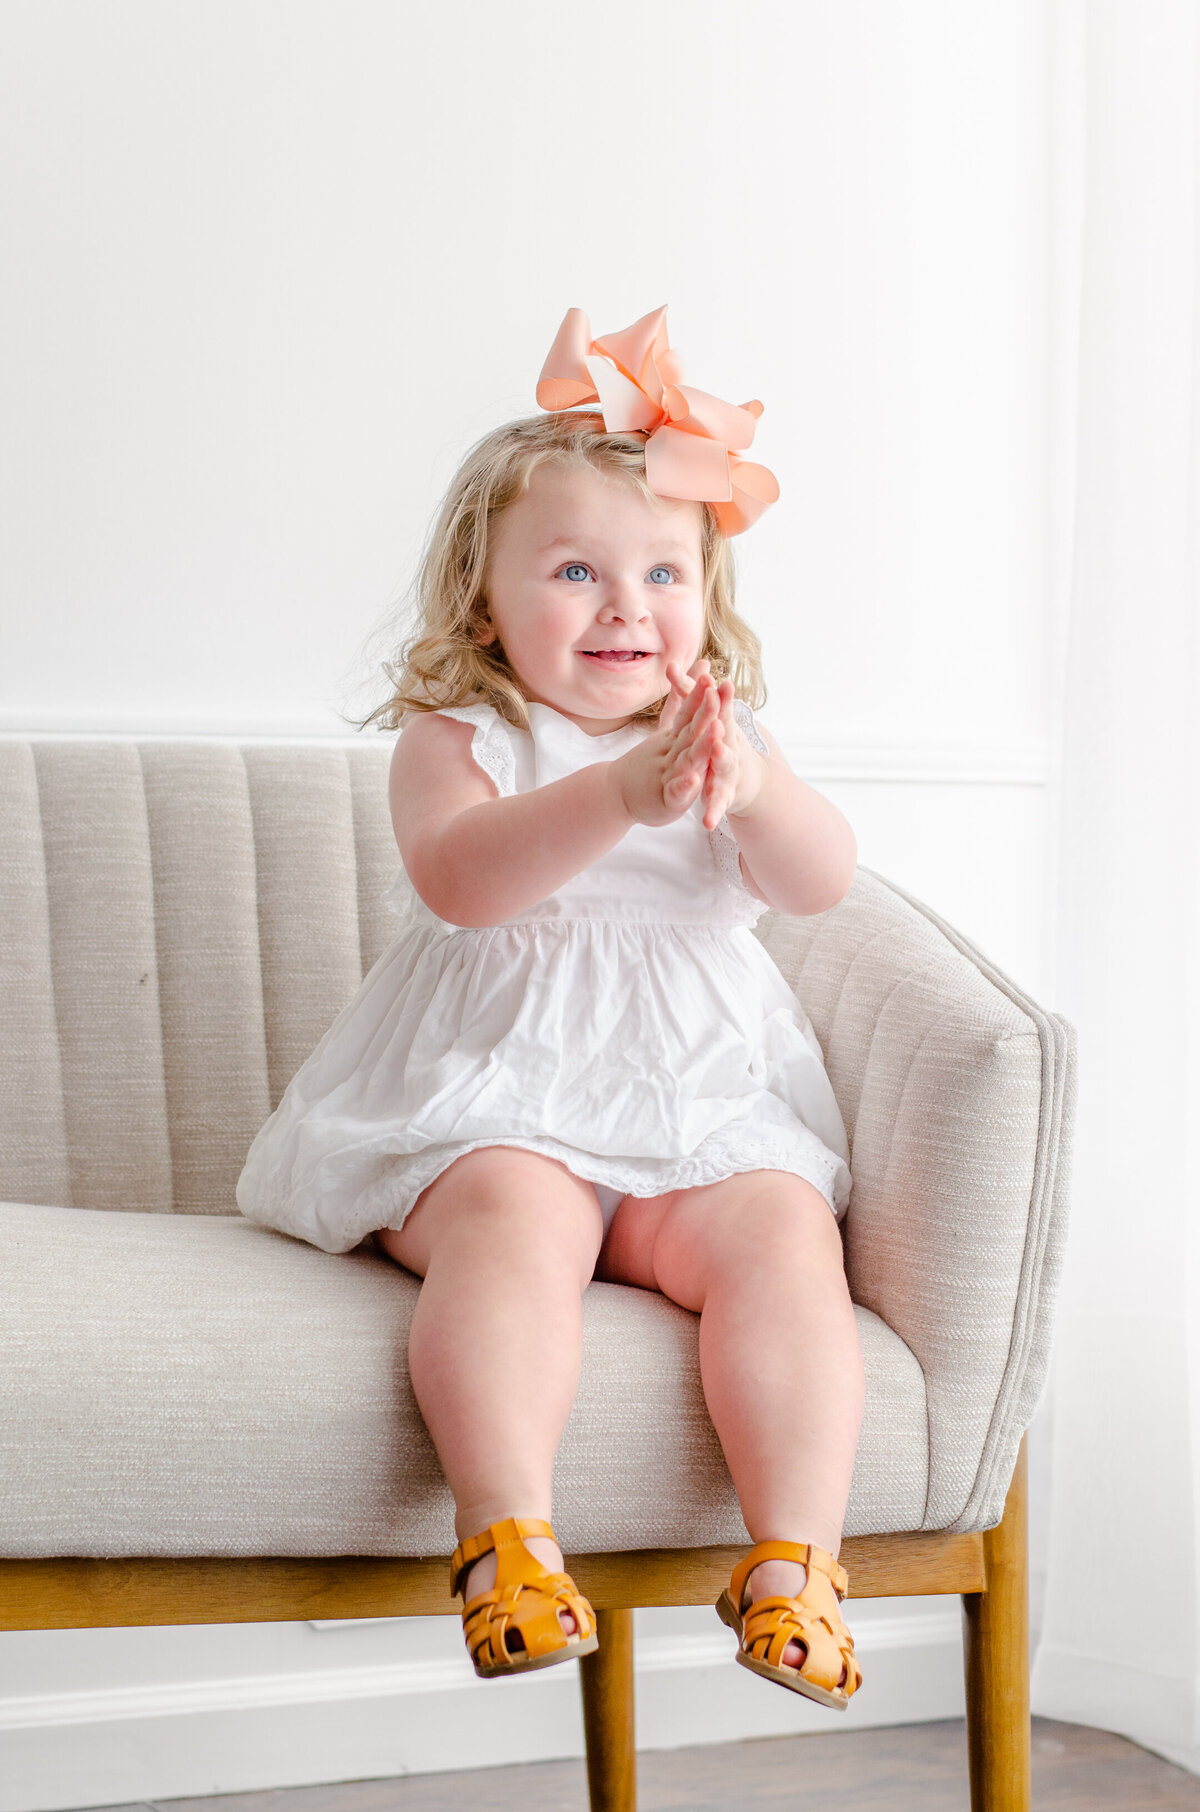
(614,655)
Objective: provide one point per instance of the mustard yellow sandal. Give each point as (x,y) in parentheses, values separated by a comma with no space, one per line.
(525,1599)
(812,1619)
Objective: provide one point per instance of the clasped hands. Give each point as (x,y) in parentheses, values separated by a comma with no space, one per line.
(696,748)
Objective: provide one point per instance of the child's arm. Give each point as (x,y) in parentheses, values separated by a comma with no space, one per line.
(798,853)
(476,859)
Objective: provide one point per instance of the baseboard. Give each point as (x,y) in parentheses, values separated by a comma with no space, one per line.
(227,1736)
(1151,1707)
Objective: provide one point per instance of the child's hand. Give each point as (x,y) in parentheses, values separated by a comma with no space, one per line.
(735,770)
(664,774)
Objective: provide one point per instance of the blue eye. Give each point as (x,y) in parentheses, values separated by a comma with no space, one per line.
(575,567)
(661,569)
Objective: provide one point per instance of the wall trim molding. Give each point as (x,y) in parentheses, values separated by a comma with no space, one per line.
(119,1745)
(1014,761)
(655,1654)
(1023,761)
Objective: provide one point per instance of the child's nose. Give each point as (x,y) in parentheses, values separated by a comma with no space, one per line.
(625,604)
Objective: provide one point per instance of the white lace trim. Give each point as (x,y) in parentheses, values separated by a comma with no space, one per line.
(491,746)
(724,844)
(386,1198)
(748,727)
(747,1148)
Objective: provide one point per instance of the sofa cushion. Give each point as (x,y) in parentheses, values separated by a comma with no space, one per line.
(198,1385)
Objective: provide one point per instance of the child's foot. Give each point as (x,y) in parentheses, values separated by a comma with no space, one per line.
(782,1579)
(483,1575)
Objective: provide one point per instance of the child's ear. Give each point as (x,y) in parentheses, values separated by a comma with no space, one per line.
(484,631)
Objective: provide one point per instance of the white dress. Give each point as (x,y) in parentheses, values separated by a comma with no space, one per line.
(630,1025)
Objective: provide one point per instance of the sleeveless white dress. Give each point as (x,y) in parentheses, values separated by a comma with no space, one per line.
(630,1025)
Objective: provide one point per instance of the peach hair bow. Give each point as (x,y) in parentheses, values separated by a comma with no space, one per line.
(637,380)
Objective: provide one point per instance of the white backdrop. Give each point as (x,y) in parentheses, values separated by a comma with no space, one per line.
(279,264)
(1121,1636)
(272,267)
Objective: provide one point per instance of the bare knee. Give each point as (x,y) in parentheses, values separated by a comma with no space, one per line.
(505,1207)
(764,1227)
(790,1217)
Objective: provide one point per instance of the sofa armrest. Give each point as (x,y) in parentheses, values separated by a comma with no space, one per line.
(958,1095)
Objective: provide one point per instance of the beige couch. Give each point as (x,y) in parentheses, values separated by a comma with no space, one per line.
(180,922)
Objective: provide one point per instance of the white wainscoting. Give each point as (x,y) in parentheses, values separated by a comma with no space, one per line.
(248,1731)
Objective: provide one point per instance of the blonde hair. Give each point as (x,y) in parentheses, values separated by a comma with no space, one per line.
(442,664)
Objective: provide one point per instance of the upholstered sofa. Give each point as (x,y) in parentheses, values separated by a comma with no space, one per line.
(203,1420)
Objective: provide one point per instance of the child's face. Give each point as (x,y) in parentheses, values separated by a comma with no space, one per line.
(583,562)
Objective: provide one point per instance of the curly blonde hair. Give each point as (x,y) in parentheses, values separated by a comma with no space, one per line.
(442,664)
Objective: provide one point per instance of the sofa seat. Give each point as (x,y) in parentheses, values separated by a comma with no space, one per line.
(197,1385)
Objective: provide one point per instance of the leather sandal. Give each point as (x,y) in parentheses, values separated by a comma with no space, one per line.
(525,1599)
(812,1619)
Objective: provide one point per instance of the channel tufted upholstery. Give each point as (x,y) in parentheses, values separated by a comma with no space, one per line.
(180,923)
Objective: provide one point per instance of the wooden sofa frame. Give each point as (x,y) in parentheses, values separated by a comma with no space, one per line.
(989,1569)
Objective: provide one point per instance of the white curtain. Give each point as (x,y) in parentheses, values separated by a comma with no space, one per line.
(1120,1644)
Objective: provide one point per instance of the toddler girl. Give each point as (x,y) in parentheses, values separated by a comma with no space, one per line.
(576,1060)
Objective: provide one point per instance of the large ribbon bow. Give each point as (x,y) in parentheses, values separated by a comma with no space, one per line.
(637,380)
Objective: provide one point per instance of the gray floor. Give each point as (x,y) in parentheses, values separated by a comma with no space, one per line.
(908,1768)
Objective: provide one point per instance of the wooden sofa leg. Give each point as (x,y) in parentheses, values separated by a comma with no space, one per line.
(996,1660)
(607,1682)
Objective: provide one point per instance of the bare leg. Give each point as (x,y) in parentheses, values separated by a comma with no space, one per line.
(506,1241)
(759,1258)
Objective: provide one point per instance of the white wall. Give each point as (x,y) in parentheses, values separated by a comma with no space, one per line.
(272,268)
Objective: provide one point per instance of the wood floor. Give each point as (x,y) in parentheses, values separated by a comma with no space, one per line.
(908,1768)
